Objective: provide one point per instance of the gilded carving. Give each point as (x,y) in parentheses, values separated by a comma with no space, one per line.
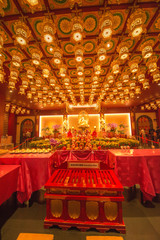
(111,210)
(56,208)
(92,210)
(74,209)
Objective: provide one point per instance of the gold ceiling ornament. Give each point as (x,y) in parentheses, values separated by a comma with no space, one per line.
(34,5)
(22,33)
(39,94)
(106,86)
(101,52)
(135,23)
(81,81)
(157,24)
(36,56)
(3,38)
(30,71)
(131,94)
(115,66)
(57,55)
(73,2)
(95,80)
(80,69)
(126,91)
(146,84)
(25,81)
(2,74)
(13,108)
(156,76)
(119,85)
(110,78)
(45,89)
(77,29)
(97,68)
(79,50)
(151,63)
(106,25)
(16,58)
(141,75)
(48,30)
(18,110)
(14,73)
(123,51)
(33,89)
(3,5)
(146,48)
(46,70)
(133,65)
(62,70)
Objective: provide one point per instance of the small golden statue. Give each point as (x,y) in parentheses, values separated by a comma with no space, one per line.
(83,120)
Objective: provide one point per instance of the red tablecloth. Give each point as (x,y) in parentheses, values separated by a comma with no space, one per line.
(60,156)
(35,170)
(137,166)
(8,181)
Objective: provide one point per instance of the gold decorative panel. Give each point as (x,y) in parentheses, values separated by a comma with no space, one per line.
(111,210)
(56,208)
(92,210)
(74,209)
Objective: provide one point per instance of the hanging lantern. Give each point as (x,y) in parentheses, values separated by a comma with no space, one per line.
(33,89)
(106,86)
(66,81)
(3,38)
(57,89)
(146,85)
(11,84)
(138,90)
(22,33)
(36,56)
(132,85)
(45,89)
(126,91)
(80,69)
(14,73)
(123,51)
(125,77)
(146,48)
(2,59)
(156,76)
(48,31)
(30,71)
(135,23)
(131,94)
(77,29)
(115,91)
(46,71)
(152,64)
(97,68)
(133,64)
(78,53)
(110,78)
(29,95)
(101,52)
(106,25)
(21,90)
(62,70)
(38,81)
(16,58)
(57,55)
(52,81)
(24,82)
(2,74)
(121,95)
(95,80)
(119,85)
(34,5)
(39,94)
(115,66)
(141,75)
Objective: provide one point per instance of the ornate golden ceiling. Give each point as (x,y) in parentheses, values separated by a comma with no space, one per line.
(48,83)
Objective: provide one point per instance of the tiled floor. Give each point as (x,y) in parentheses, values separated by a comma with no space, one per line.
(141,223)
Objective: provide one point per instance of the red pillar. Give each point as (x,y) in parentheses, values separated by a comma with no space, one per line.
(158,117)
(2,112)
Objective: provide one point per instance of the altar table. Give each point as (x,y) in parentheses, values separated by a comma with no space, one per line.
(35,170)
(61,156)
(137,166)
(8,181)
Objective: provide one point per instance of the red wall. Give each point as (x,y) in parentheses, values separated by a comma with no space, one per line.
(12,126)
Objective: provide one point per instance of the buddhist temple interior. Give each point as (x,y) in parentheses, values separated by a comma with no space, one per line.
(80,118)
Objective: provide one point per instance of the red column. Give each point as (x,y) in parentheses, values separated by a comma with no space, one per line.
(158,117)
(2,111)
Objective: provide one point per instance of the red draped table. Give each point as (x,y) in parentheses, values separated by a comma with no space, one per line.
(8,181)
(137,166)
(35,170)
(61,156)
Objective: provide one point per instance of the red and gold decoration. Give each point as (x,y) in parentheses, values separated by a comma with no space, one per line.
(36,56)
(48,30)
(146,48)
(123,51)
(34,5)
(106,25)
(22,33)
(77,29)
(16,58)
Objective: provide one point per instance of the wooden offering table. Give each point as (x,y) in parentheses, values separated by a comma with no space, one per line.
(85,198)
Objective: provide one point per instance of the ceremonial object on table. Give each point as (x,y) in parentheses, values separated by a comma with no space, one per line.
(84,196)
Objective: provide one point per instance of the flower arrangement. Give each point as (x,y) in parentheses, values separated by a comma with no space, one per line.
(56,128)
(112,126)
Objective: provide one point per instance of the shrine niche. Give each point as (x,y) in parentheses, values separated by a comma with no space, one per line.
(144,122)
(27,130)
(83,120)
